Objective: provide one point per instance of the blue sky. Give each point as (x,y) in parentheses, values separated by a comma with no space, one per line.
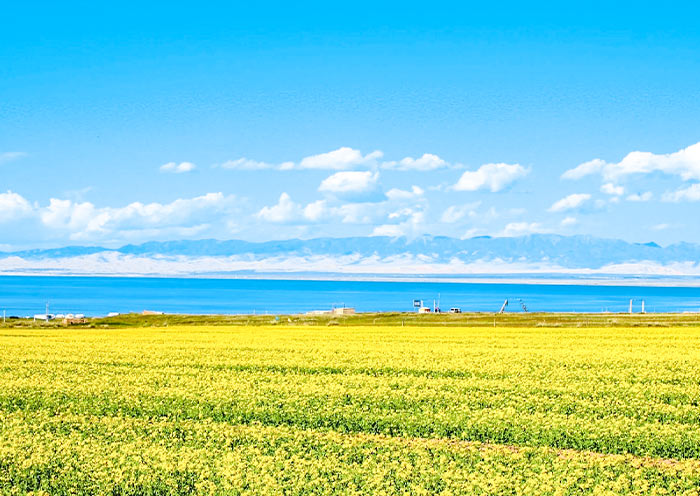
(131,123)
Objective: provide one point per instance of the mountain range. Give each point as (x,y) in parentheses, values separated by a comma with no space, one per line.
(428,254)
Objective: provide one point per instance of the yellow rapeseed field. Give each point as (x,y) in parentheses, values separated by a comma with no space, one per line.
(358,410)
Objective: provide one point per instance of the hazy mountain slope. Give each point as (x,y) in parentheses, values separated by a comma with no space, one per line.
(574,252)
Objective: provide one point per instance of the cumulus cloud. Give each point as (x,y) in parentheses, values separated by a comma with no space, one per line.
(390,230)
(66,214)
(585,169)
(178,168)
(569,221)
(570,202)
(404,222)
(612,189)
(691,193)
(81,220)
(246,164)
(426,162)
(350,182)
(284,211)
(341,159)
(640,197)
(360,213)
(522,228)
(494,177)
(401,195)
(287,211)
(344,158)
(316,211)
(455,213)
(85,220)
(10,156)
(13,207)
(684,163)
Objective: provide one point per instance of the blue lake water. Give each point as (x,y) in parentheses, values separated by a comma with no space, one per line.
(94,296)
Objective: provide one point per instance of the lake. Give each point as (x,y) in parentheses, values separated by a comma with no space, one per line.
(95,296)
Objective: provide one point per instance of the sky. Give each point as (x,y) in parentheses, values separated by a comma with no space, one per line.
(129,122)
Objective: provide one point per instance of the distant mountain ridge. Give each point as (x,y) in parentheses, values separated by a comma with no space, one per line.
(574,252)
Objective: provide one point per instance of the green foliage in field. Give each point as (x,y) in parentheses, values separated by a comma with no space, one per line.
(350,410)
(409,319)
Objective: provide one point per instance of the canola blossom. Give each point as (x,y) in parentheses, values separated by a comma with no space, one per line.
(357,410)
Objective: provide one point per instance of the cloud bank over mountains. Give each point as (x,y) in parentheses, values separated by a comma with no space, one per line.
(533,255)
(347,192)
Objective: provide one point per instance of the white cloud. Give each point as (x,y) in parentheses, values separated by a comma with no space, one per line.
(569,221)
(408,222)
(494,177)
(350,182)
(284,211)
(684,163)
(640,197)
(178,168)
(691,193)
(391,230)
(404,213)
(585,169)
(10,156)
(345,158)
(360,213)
(316,211)
(85,221)
(660,227)
(455,213)
(612,189)
(522,228)
(246,164)
(183,211)
(570,202)
(13,207)
(341,159)
(426,162)
(399,194)
(112,263)
(65,214)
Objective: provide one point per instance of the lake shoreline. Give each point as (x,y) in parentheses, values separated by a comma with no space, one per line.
(563,279)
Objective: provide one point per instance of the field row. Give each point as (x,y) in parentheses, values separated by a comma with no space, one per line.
(75,454)
(611,391)
(359,410)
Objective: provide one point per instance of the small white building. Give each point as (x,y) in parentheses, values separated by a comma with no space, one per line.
(151,312)
(344,311)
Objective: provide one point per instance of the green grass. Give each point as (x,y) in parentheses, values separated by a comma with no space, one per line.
(477,319)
